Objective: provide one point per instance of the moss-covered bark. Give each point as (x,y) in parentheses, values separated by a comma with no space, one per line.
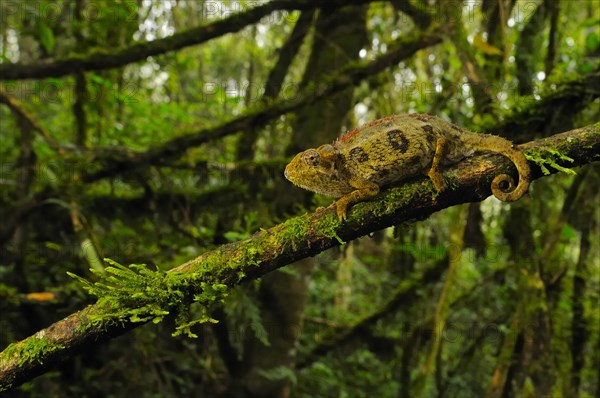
(283,244)
(104,58)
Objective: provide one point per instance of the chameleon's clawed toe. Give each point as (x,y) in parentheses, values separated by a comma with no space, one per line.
(341,211)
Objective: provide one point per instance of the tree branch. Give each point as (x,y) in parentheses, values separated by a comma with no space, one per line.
(108,59)
(113,162)
(531,117)
(295,239)
(416,12)
(347,77)
(482,90)
(19,111)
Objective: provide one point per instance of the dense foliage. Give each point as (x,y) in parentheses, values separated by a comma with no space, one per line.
(153,132)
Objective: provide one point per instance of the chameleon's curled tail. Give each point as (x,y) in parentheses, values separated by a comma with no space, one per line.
(503,186)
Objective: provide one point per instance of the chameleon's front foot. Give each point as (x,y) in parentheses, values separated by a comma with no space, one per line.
(365,190)
(438,181)
(341,207)
(435,174)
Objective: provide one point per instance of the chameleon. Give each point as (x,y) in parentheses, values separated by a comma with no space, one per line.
(386,151)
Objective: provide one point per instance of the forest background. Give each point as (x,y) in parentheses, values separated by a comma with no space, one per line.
(156,133)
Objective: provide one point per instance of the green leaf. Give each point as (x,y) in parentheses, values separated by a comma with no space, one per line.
(83,281)
(46,36)
(590,22)
(233,236)
(587,67)
(279,373)
(53,246)
(591,42)
(568,232)
(101,81)
(59,202)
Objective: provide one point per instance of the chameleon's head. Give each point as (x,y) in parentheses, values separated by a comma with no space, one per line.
(314,170)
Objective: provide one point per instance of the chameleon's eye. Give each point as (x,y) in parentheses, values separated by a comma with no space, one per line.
(311,157)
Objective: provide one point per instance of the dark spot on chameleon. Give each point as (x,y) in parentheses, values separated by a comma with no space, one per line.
(340,161)
(359,155)
(383,172)
(397,140)
(428,129)
(413,160)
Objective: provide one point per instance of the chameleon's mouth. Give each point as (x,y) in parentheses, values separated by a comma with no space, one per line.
(292,176)
(289,174)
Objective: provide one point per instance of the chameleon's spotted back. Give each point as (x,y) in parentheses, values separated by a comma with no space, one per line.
(390,150)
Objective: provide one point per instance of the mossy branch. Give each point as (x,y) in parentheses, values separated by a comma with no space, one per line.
(280,245)
(124,161)
(261,113)
(523,123)
(552,111)
(101,59)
